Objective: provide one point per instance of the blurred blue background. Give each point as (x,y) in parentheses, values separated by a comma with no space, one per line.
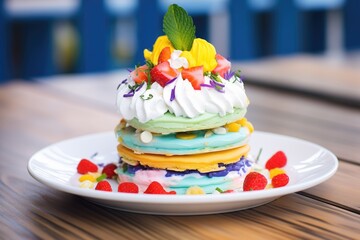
(42,38)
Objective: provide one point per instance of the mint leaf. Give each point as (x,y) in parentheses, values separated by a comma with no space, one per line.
(179,28)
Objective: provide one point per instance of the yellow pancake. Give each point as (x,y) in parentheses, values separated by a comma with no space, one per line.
(204,162)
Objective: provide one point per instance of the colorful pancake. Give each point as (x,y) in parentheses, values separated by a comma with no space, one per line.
(195,142)
(231,177)
(203,162)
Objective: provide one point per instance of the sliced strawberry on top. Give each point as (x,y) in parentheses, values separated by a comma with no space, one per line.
(139,74)
(195,75)
(162,73)
(165,55)
(223,65)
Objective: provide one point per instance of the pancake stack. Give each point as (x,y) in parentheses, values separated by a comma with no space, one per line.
(182,116)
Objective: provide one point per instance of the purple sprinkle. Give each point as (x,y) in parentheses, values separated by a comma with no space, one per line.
(218,84)
(172,97)
(206,85)
(122,82)
(129,94)
(229,74)
(101,164)
(171,81)
(129,69)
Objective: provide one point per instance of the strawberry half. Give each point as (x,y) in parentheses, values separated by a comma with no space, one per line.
(103,186)
(157,188)
(280,180)
(278,160)
(223,65)
(195,75)
(165,55)
(85,166)
(128,187)
(162,73)
(139,74)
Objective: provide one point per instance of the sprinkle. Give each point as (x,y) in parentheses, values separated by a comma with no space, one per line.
(129,94)
(87,177)
(217,83)
(146,137)
(129,69)
(123,82)
(220,130)
(229,74)
(206,85)
(172,97)
(94,155)
(171,81)
(217,86)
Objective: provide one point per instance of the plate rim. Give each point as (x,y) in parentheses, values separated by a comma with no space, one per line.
(183,199)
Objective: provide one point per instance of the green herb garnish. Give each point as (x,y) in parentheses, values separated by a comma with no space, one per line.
(150,66)
(258,156)
(179,28)
(101,177)
(125,167)
(219,190)
(214,76)
(149,97)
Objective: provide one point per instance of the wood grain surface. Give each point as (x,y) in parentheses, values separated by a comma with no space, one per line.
(336,78)
(33,116)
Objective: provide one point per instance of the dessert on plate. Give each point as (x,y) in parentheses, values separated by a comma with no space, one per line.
(182,116)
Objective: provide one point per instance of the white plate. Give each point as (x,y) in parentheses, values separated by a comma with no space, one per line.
(55,166)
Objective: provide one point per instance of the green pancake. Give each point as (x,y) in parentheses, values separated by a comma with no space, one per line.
(169,123)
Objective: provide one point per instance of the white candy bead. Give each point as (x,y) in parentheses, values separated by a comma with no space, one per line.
(146,137)
(208,133)
(220,130)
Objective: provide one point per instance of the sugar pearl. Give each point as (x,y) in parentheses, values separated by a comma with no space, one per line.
(146,137)
(220,130)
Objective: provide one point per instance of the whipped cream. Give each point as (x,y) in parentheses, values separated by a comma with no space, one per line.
(179,98)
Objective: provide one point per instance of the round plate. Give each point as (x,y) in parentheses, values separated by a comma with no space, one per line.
(55,166)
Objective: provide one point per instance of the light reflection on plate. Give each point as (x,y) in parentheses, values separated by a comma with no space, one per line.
(55,166)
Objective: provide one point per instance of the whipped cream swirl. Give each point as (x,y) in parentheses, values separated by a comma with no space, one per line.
(179,98)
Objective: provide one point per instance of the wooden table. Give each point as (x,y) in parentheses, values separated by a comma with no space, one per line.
(34,115)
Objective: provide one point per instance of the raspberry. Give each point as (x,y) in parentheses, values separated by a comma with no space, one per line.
(280,180)
(109,170)
(156,188)
(278,160)
(86,166)
(128,187)
(254,181)
(103,186)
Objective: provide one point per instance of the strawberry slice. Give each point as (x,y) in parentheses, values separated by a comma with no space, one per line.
(223,65)
(139,74)
(162,73)
(195,75)
(165,55)
(278,160)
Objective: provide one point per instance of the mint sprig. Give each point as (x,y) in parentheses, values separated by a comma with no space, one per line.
(179,28)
